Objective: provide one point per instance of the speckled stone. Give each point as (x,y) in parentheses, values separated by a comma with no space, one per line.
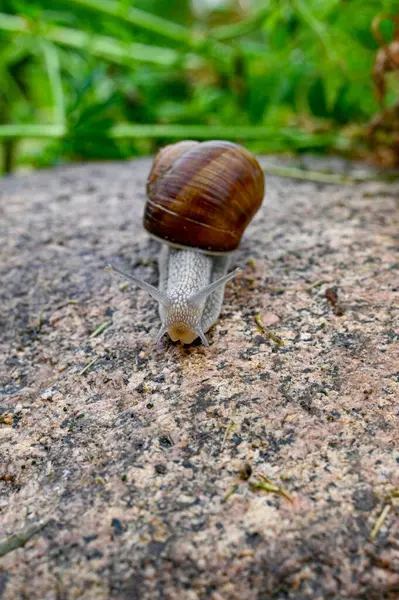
(145,469)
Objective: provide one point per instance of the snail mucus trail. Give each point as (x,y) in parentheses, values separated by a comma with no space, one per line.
(200,199)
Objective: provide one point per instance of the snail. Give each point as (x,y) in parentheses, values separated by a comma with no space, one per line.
(201,197)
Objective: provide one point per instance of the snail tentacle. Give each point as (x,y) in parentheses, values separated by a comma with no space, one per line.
(153,291)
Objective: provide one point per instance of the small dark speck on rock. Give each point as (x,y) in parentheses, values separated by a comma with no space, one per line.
(187,464)
(117,527)
(160,469)
(236,439)
(264,376)
(335,413)
(364,499)
(155,548)
(245,471)
(253,539)
(141,362)
(165,441)
(90,538)
(94,554)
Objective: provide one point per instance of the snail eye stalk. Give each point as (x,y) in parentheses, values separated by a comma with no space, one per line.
(198,297)
(153,291)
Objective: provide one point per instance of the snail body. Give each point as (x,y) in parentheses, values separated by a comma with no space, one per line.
(201,197)
(185,277)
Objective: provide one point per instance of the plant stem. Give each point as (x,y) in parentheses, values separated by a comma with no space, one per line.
(315,284)
(319,28)
(32,131)
(13,23)
(287,137)
(268,334)
(140,18)
(160,26)
(296,138)
(88,366)
(111,49)
(295,173)
(380,521)
(243,27)
(229,493)
(9,152)
(100,329)
(54,74)
(19,539)
(98,45)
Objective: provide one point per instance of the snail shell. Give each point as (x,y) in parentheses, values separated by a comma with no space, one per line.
(203,195)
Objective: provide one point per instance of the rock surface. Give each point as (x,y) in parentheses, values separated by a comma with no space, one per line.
(144,477)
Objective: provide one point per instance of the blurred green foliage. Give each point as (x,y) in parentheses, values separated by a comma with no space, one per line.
(89,79)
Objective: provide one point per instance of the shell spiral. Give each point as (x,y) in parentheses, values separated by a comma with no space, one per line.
(203,195)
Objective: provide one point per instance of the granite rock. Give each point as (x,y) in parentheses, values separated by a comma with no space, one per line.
(148,473)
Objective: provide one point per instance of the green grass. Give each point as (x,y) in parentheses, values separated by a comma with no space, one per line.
(105,79)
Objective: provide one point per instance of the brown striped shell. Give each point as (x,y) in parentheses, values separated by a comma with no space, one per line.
(203,195)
